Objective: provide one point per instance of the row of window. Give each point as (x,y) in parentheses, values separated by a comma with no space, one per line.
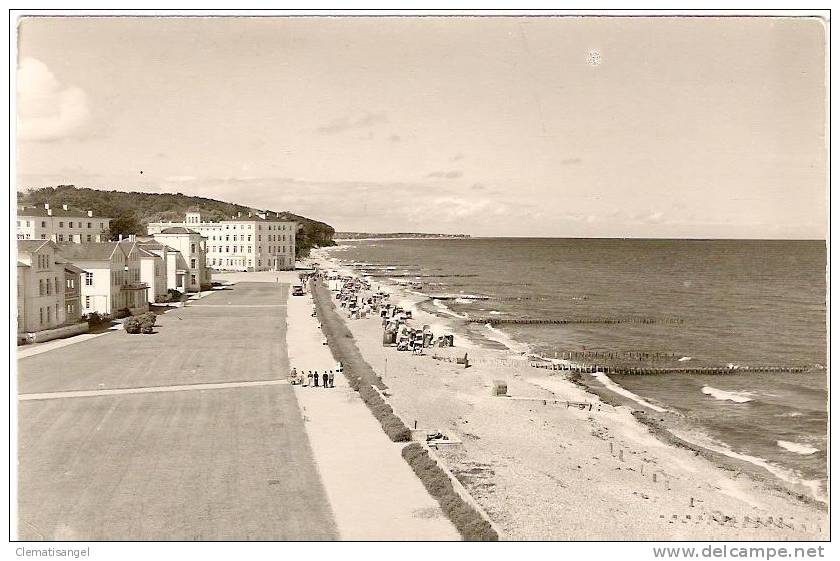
(59,237)
(45,287)
(125,277)
(242,249)
(61,224)
(44,261)
(46,312)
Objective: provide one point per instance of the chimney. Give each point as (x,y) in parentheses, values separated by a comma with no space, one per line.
(49,212)
(47,206)
(64,207)
(90,213)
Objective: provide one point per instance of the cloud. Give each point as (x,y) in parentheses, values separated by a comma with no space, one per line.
(346,123)
(445,174)
(47,109)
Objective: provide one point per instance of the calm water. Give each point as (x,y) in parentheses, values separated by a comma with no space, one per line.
(740,302)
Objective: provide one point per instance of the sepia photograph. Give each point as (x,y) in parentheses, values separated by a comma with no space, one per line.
(420,277)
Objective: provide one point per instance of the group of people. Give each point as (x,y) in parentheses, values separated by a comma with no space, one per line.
(312,378)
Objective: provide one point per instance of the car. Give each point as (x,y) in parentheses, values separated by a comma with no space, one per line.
(297,290)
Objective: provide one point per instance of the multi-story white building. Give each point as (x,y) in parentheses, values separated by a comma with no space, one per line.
(61,225)
(254,242)
(111,279)
(40,286)
(175,267)
(193,247)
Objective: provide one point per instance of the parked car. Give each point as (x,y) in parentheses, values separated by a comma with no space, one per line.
(297,290)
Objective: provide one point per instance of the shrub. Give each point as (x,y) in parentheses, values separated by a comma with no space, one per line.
(175,295)
(149,317)
(131,325)
(464,517)
(94,318)
(395,429)
(122,313)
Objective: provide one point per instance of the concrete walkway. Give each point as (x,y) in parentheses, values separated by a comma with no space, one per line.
(373,492)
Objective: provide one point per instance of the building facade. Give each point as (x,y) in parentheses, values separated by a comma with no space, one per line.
(61,225)
(40,286)
(247,242)
(111,279)
(72,292)
(193,248)
(153,271)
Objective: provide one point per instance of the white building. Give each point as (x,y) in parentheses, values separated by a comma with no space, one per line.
(193,247)
(40,286)
(153,272)
(111,281)
(253,242)
(61,225)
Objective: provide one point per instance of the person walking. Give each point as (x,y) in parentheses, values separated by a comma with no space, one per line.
(325,379)
(332,379)
(315,377)
(308,380)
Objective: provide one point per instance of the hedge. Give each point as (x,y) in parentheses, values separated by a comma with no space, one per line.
(470,524)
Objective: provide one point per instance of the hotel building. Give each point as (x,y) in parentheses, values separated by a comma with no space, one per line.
(258,241)
(61,225)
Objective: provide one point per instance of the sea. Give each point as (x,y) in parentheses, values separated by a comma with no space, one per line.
(713,303)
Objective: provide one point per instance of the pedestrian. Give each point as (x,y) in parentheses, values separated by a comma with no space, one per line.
(293,376)
(316,378)
(332,379)
(308,379)
(325,379)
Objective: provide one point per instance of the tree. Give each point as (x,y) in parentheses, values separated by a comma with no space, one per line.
(125,225)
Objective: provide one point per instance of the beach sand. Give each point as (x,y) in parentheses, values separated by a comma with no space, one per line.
(545,471)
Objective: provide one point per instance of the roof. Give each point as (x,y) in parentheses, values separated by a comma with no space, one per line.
(28,246)
(71,267)
(146,253)
(57,211)
(91,251)
(154,244)
(21,264)
(178,230)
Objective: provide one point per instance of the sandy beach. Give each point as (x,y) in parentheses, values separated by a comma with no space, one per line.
(544,470)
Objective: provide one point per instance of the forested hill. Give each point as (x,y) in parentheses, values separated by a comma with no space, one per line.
(131,211)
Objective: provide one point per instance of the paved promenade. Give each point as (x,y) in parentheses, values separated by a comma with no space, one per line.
(179,435)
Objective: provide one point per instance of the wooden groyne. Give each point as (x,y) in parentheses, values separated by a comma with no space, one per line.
(570,321)
(641,356)
(642,371)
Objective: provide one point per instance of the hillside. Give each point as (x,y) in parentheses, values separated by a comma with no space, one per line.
(131,211)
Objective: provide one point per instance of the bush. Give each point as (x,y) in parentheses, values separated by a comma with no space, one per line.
(94,318)
(175,295)
(464,517)
(206,286)
(395,429)
(122,313)
(131,325)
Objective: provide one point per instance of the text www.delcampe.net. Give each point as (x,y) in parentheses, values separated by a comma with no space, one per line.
(743,552)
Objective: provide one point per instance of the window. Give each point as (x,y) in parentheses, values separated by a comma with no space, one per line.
(192,248)
(49,314)
(249,249)
(227,249)
(192,263)
(88,279)
(87,301)
(57,289)
(88,237)
(47,286)
(234,249)
(43,236)
(249,237)
(61,224)
(41,289)
(69,309)
(70,224)
(41,312)
(43,224)
(90,225)
(192,279)
(61,237)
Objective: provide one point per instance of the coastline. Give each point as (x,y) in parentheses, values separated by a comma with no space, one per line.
(731,494)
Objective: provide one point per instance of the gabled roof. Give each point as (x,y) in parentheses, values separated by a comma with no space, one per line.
(154,244)
(30,246)
(21,264)
(57,211)
(71,267)
(90,251)
(146,253)
(178,230)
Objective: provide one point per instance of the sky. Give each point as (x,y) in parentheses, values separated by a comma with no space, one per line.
(504,126)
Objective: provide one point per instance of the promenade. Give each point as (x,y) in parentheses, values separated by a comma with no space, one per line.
(181,435)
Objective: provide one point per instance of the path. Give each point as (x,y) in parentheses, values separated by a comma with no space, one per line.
(373,492)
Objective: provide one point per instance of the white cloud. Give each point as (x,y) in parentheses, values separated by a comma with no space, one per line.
(47,109)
